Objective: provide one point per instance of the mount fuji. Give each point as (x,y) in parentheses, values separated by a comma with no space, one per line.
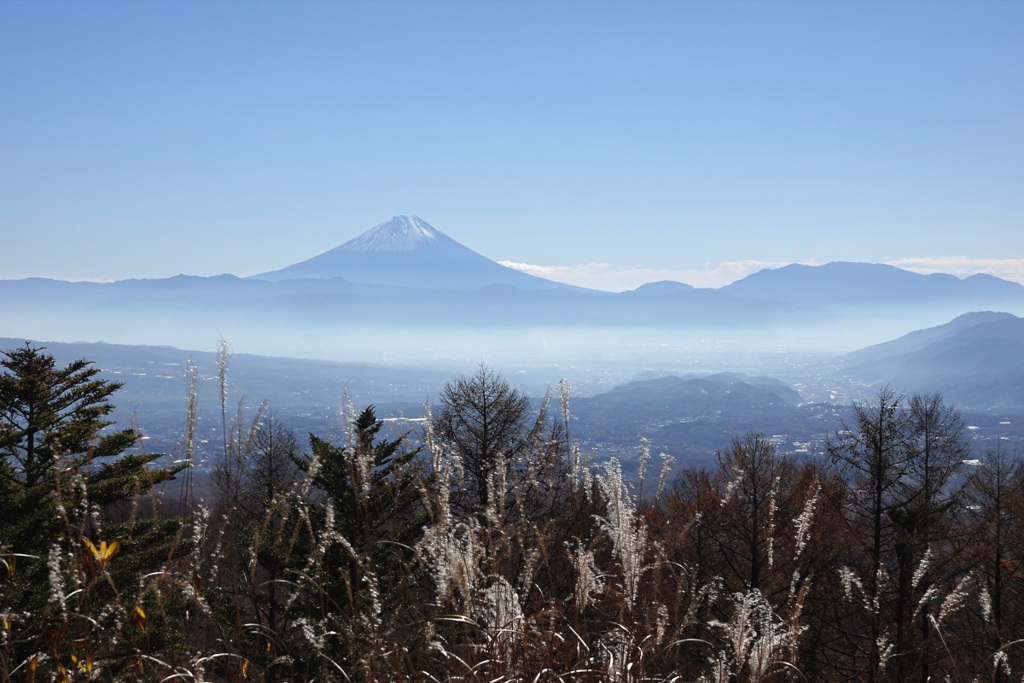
(409,252)
(405,289)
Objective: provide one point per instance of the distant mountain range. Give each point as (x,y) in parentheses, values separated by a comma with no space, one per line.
(870,284)
(405,293)
(404,288)
(975,360)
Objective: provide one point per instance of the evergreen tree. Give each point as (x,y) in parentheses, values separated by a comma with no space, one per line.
(367,520)
(61,471)
(59,460)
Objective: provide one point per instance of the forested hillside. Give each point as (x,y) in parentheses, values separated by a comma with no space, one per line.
(481,544)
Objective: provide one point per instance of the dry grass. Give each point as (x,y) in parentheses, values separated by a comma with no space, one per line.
(564,576)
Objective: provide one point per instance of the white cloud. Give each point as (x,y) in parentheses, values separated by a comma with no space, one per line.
(1005,268)
(617,279)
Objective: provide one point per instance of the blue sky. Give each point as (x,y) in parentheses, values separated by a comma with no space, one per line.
(604,143)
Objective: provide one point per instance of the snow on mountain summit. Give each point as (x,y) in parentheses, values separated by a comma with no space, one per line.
(401,233)
(406,251)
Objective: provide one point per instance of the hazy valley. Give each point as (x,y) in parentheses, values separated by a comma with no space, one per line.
(712,369)
(388,317)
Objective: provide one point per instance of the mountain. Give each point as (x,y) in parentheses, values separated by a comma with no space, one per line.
(872,284)
(308,395)
(404,291)
(921,339)
(976,360)
(691,396)
(338,319)
(691,417)
(662,288)
(409,252)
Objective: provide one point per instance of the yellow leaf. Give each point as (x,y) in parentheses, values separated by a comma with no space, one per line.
(108,551)
(102,554)
(83,664)
(245,667)
(139,617)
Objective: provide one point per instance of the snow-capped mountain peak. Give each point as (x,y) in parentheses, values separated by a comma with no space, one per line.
(401,233)
(406,251)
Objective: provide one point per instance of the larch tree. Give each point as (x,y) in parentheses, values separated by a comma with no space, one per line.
(502,445)
(993,531)
(872,455)
(758,509)
(488,424)
(936,451)
(900,460)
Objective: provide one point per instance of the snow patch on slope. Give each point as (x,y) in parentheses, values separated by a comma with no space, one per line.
(401,233)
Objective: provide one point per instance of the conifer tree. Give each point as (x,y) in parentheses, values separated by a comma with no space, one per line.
(372,487)
(489,425)
(366,519)
(53,435)
(61,471)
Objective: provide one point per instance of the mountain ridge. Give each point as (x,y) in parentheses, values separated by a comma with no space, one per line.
(407,251)
(975,360)
(866,282)
(404,289)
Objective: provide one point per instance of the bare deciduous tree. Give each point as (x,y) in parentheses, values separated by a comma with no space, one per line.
(489,425)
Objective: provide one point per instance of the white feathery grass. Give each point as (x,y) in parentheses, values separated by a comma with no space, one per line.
(58,595)
(806,517)
(922,568)
(985,600)
(641,461)
(501,614)
(956,598)
(666,467)
(773,508)
(886,650)
(730,489)
(1001,660)
(191,419)
(627,534)
(563,391)
(223,360)
(497,487)
(589,581)
(758,639)
(452,555)
(660,623)
(531,562)
(853,587)
(803,530)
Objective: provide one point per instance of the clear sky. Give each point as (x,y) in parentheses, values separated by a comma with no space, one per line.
(610,143)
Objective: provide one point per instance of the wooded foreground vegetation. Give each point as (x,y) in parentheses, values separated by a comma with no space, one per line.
(481,545)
